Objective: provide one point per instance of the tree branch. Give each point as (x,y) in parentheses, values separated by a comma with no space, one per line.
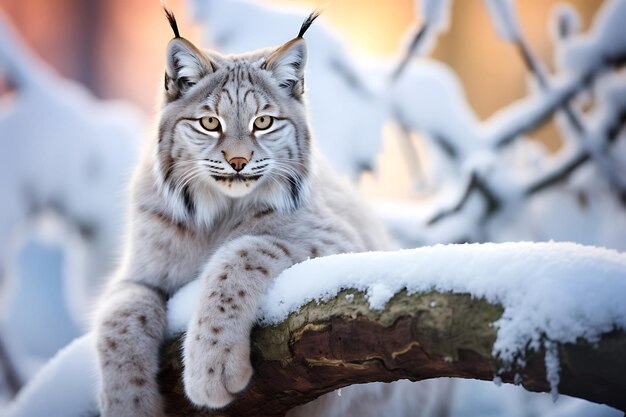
(428,335)
(578,128)
(475,183)
(416,42)
(10,374)
(556,175)
(534,67)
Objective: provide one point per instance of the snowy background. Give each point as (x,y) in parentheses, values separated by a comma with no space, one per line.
(409,127)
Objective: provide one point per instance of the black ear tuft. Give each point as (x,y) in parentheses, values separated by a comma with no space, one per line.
(172,19)
(309,20)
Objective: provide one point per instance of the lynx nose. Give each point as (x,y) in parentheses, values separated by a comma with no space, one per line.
(238,163)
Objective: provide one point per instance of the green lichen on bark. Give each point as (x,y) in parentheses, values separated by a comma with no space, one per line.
(448,322)
(342,341)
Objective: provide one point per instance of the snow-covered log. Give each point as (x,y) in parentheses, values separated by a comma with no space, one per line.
(420,336)
(547,316)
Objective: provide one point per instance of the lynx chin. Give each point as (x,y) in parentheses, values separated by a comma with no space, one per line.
(230,191)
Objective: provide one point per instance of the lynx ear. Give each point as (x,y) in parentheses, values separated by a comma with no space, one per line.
(185,66)
(287,66)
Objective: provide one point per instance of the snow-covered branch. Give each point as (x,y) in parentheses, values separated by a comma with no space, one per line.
(8,373)
(589,137)
(435,19)
(475,184)
(509,311)
(420,336)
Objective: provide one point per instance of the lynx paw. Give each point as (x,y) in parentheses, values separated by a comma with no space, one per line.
(216,366)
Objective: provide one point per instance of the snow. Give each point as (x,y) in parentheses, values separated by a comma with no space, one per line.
(65,160)
(428,99)
(436,13)
(65,387)
(66,157)
(539,286)
(40,284)
(605,41)
(485,399)
(552,367)
(565,21)
(504,17)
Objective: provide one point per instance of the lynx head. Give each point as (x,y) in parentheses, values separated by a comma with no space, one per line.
(234,127)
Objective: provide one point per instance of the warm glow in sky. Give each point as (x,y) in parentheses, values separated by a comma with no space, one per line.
(116,47)
(372,26)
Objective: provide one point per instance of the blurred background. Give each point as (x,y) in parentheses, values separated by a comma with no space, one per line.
(461,121)
(97,42)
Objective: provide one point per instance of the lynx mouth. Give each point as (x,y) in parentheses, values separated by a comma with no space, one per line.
(236,177)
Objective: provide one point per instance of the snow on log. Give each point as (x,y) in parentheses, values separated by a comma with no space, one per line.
(543,315)
(419,336)
(546,315)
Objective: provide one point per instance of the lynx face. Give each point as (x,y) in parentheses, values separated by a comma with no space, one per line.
(234,125)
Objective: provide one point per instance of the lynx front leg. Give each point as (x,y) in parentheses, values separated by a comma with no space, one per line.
(129,331)
(217,345)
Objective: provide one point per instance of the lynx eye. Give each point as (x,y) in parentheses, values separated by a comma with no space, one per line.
(263,122)
(212,124)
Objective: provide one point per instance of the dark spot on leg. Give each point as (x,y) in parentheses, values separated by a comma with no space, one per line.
(222,309)
(111,323)
(314,252)
(223,277)
(216,329)
(214,342)
(111,344)
(241,293)
(282,248)
(136,401)
(211,371)
(138,381)
(227,350)
(243,253)
(268,253)
(248,267)
(262,270)
(143,320)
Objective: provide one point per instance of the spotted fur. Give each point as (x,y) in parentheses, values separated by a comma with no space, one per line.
(196,214)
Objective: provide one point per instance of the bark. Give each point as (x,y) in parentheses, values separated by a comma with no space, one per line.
(342,342)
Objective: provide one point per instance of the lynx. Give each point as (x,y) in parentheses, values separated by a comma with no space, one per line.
(230,191)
